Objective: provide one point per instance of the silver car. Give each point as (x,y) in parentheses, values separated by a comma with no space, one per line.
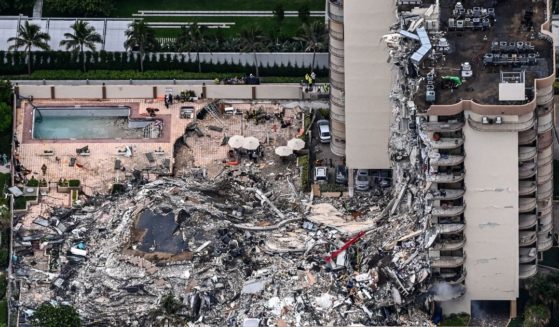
(362,180)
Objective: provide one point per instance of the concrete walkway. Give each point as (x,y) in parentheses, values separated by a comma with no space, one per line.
(38,9)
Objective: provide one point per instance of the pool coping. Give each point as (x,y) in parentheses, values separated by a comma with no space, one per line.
(27,132)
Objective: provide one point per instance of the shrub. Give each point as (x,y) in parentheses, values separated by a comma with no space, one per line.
(4,257)
(33,182)
(303,162)
(460,319)
(74,183)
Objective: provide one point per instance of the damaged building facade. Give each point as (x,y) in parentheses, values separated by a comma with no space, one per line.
(475,91)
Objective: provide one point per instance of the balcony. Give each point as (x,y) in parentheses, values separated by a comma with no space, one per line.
(547,222)
(526,170)
(444,194)
(450,228)
(336,10)
(526,187)
(527,271)
(449,245)
(446,143)
(545,243)
(527,137)
(444,160)
(336,51)
(545,123)
(447,211)
(545,157)
(544,208)
(337,68)
(527,238)
(545,190)
(526,153)
(436,126)
(503,127)
(527,221)
(545,140)
(338,84)
(445,178)
(453,277)
(336,35)
(447,261)
(526,204)
(527,255)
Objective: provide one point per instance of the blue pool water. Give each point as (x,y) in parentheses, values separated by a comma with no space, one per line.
(84,123)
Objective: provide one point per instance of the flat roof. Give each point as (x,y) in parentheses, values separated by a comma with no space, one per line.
(468,45)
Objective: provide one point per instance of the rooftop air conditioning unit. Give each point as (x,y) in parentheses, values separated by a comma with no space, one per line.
(485,121)
(498,120)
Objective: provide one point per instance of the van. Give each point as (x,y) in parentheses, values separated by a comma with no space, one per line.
(324,131)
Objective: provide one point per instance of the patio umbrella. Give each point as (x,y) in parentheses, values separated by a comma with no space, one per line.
(284,151)
(236,141)
(251,143)
(296,144)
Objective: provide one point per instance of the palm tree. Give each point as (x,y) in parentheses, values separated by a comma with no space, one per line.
(314,38)
(29,36)
(140,37)
(84,36)
(252,39)
(193,39)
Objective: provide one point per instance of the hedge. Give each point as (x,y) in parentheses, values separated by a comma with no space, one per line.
(14,64)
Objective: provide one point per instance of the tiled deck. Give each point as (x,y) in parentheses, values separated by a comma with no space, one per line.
(97,172)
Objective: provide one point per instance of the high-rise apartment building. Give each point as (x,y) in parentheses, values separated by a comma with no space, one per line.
(479,80)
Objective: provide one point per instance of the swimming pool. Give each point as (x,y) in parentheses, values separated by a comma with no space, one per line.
(52,123)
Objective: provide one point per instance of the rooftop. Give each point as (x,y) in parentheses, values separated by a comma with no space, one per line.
(524,51)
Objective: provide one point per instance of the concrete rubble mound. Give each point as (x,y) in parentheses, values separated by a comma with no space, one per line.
(239,250)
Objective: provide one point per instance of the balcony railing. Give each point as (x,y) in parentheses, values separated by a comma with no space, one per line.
(527,255)
(503,127)
(442,126)
(526,153)
(448,261)
(338,52)
(449,245)
(526,170)
(445,178)
(336,11)
(335,34)
(450,228)
(527,221)
(446,143)
(445,194)
(527,137)
(527,238)
(527,271)
(526,187)
(526,204)
(545,244)
(545,190)
(446,160)
(447,211)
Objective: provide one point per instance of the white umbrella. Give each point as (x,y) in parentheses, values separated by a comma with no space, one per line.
(251,143)
(236,141)
(296,144)
(284,151)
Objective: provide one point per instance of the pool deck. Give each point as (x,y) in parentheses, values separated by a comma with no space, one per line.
(96,171)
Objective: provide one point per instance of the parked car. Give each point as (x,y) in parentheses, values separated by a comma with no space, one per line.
(341,174)
(324,131)
(362,180)
(321,175)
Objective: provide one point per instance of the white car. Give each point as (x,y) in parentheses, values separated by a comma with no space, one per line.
(362,180)
(324,131)
(321,175)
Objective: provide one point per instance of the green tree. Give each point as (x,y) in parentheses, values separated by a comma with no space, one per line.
(141,37)
(314,37)
(193,39)
(5,117)
(536,315)
(544,289)
(16,7)
(29,36)
(48,315)
(83,36)
(79,8)
(252,39)
(304,12)
(279,13)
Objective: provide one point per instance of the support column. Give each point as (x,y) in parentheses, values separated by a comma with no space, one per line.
(350,181)
(513,309)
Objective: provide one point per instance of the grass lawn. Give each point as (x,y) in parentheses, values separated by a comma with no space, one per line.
(289,27)
(125,8)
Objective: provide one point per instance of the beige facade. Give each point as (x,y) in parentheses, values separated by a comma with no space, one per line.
(361,78)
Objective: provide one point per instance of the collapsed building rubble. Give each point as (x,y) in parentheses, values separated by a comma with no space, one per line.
(236,251)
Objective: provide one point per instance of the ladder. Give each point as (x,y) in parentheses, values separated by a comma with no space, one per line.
(213,109)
